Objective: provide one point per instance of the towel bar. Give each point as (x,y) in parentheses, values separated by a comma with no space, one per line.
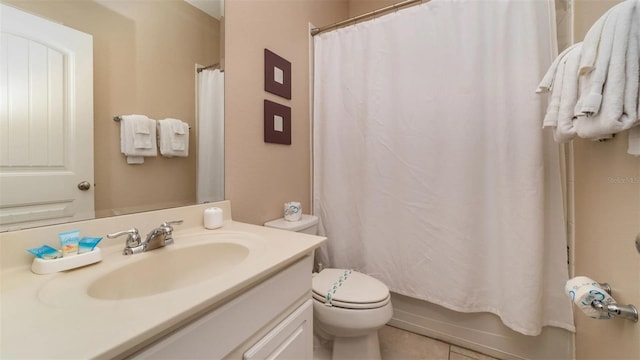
(118,118)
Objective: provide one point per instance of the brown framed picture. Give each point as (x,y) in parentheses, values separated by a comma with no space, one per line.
(277,75)
(277,123)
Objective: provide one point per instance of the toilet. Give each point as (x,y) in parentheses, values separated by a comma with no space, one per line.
(348,307)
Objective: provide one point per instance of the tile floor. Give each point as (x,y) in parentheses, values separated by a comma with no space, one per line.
(398,344)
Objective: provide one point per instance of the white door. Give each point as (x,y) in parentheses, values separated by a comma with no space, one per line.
(46,122)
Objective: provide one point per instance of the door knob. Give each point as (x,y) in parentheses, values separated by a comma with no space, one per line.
(84,186)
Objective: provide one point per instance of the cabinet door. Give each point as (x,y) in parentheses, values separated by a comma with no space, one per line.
(291,339)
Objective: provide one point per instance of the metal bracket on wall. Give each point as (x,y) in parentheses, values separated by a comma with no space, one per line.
(628,312)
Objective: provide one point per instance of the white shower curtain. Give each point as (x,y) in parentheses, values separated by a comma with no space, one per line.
(210,181)
(431,169)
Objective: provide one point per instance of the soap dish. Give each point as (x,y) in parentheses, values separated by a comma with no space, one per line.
(48,266)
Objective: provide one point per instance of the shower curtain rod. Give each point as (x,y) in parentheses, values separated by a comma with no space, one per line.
(354,19)
(216,65)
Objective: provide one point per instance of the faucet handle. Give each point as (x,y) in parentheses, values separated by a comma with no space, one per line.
(133,237)
(168,224)
(168,229)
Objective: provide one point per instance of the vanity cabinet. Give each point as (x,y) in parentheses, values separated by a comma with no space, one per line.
(291,339)
(271,319)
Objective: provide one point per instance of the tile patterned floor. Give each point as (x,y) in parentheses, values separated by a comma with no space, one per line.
(398,344)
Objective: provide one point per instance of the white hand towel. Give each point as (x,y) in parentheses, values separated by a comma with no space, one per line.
(179,127)
(135,160)
(128,126)
(179,140)
(610,61)
(174,137)
(142,133)
(546,84)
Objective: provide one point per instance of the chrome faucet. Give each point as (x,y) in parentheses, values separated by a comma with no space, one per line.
(133,245)
(158,237)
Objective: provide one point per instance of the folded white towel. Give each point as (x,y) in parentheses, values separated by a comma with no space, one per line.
(591,44)
(632,68)
(134,142)
(546,84)
(619,99)
(142,137)
(174,137)
(135,160)
(553,108)
(179,127)
(610,60)
(565,129)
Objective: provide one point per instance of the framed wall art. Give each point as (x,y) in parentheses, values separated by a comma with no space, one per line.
(277,123)
(277,75)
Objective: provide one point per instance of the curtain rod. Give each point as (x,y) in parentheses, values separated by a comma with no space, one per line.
(354,19)
(216,65)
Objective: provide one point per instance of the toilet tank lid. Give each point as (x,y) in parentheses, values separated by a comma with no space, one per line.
(307,221)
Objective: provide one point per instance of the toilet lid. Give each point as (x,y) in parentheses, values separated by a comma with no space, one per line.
(349,289)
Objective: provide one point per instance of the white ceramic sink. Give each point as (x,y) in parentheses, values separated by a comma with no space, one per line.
(169,270)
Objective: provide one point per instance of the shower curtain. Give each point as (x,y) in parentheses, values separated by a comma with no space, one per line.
(210,180)
(431,169)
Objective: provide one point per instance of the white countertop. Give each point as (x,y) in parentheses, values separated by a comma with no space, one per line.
(50,316)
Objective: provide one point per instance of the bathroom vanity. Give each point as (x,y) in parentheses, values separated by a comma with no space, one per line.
(241,291)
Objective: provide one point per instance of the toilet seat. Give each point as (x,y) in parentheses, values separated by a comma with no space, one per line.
(350,305)
(349,289)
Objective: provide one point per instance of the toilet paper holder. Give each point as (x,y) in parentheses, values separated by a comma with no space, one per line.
(628,312)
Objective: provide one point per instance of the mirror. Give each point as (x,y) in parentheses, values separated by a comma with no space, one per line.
(145,56)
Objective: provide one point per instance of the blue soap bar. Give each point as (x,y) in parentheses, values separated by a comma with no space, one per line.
(46,252)
(87,244)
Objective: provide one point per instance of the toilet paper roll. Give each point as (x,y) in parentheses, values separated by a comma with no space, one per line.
(213,218)
(292,211)
(583,291)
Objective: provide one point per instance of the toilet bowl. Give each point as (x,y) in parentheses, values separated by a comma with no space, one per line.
(348,307)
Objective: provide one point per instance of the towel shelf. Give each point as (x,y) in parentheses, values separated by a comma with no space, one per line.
(118,118)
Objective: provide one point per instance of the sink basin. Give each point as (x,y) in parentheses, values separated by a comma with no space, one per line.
(168,269)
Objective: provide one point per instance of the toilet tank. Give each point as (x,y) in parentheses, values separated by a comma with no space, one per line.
(308,224)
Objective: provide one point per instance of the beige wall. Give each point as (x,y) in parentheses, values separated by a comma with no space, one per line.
(607,219)
(359,7)
(260,177)
(144,58)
